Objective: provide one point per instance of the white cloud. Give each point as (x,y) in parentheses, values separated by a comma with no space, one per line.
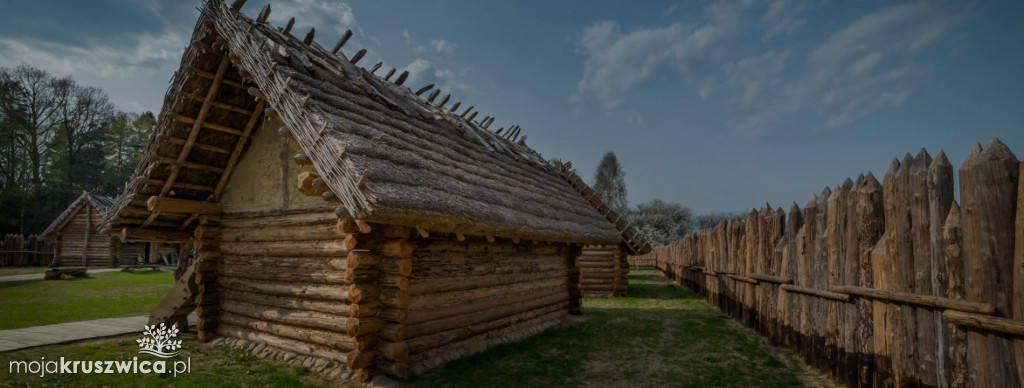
(452,81)
(754,74)
(416,69)
(322,15)
(784,17)
(119,69)
(443,46)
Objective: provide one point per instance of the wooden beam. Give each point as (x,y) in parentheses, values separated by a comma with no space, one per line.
(987,322)
(176,205)
(180,185)
(221,105)
(922,300)
(249,126)
(194,166)
(216,127)
(209,75)
(770,278)
(816,292)
(153,235)
(204,147)
(194,133)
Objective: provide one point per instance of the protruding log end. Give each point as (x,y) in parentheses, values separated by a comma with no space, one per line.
(460,237)
(424,89)
(360,360)
(305,182)
(341,42)
(309,36)
(390,73)
(303,160)
(272,114)
(359,55)
(376,67)
(402,248)
(331,197)
(285,132)
(256,92)
(422,232)
(342,212)
(394,351)
(288,27)
(401,78)
(264,14)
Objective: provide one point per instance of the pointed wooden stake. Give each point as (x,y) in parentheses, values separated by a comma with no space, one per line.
(358,56)
(424,89)
(264,14)
(390,73)
(433,95)
(237,5)
(375,67)
(444,100)
(341,42)
(309,36)
(288,27)
(401,78)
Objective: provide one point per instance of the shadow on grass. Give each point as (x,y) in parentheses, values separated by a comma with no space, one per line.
(660,335)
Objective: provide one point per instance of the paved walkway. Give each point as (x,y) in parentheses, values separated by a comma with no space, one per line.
(61,333)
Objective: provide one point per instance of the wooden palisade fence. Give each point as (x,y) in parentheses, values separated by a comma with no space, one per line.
(880,284)
(18,250)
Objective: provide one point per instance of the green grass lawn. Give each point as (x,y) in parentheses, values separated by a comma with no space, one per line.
(103,295)
(662,335)
(9,271)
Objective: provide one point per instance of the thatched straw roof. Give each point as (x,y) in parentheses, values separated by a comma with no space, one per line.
(631,237)
(388,154)
(100,203)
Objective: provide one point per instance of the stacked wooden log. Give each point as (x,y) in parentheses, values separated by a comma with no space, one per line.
(471,294)
(601,271)
(884,284)
(282,286)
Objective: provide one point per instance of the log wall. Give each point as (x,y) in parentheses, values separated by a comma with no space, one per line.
(604,270)
(469,295)
(19,250)
(79,242)
(278,286)
(880,284)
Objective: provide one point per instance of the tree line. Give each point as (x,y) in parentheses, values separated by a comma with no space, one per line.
(60,138)
(660,222)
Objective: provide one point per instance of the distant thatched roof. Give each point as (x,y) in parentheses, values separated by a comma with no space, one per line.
(100,203)
(389,155)
(630,235)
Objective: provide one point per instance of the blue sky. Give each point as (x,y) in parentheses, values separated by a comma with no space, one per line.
(717,105)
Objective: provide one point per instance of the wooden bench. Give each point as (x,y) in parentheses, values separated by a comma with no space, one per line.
(60,273)
(132,268)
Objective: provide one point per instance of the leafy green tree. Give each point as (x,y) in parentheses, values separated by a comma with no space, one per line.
(610,183)
(124,144)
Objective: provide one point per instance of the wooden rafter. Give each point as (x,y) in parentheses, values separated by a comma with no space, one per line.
(194,166)
(209,75)
(204,147)
(253,119)
(176,205)
(221,105)
(180,185)
(197,123)
(216,127)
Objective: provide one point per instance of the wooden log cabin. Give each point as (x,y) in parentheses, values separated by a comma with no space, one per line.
(342,221)
(76,236)
(605,268)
